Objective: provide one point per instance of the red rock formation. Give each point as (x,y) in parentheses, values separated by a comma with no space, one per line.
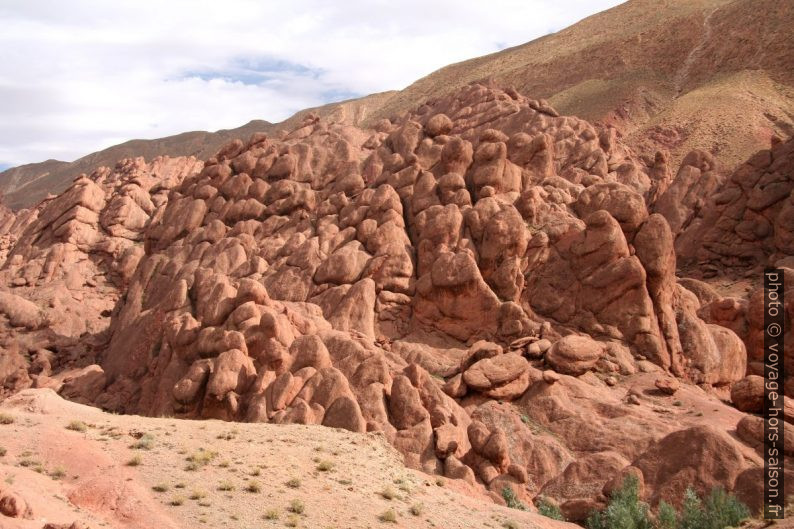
(474,279)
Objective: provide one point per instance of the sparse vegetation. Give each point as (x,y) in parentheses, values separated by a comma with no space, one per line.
(197,494)
(271,514)
(294,483)
(510,524)
(226,485)
(77,426)
(292,520)
(253,487)
(626,511)
(27,462)
(6,419)
(160,487)
(199,459)
(388,493)
(146,442)
(176,501)
(325,466)
(297,506)
(416,509)
(57,473)
(549,510)
(134,461)
(388,516)
(440,482)
(512,500)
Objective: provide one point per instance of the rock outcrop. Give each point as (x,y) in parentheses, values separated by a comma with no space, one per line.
(475,279)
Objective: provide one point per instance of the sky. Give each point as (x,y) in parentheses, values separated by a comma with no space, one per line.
(78,76)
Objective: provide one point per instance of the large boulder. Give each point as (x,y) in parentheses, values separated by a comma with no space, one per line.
(574,354)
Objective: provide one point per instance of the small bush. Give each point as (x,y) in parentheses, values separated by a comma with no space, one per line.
(625,510)
(225,486)
(718,511)
(271,514)
(388,516)
(325,466)
(297,506)
(197,494)
(146,442)
(510,524)
(3,451)
(388,493)
(57,473)
(292,520)
(253,487)
(512,501)
(77,426)
(416,509)
(160,487)
(667,517)
(549,510)
(29,463)
(294,483)
(134,461)
(180,485)
(176,501)
(199,459)
(6,419)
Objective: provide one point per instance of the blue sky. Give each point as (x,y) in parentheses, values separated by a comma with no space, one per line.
(106,72)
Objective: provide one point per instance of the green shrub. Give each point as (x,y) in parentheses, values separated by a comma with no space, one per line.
(625,510)
(512,501)
(549,510)
(720,510)
(667,517)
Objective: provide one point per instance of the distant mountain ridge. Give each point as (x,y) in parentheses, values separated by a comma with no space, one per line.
(670,75)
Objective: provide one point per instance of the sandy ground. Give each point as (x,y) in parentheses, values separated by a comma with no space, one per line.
(217,475)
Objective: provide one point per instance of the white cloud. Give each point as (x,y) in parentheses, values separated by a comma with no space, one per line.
(82,75)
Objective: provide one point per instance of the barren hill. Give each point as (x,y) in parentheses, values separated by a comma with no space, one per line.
(708,74)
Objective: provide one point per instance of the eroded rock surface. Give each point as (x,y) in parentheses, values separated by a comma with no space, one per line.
(482,280)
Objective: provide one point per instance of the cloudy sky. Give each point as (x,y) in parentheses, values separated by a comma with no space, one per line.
(77,76)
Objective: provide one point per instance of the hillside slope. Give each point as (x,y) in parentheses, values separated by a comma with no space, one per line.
(709,74)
